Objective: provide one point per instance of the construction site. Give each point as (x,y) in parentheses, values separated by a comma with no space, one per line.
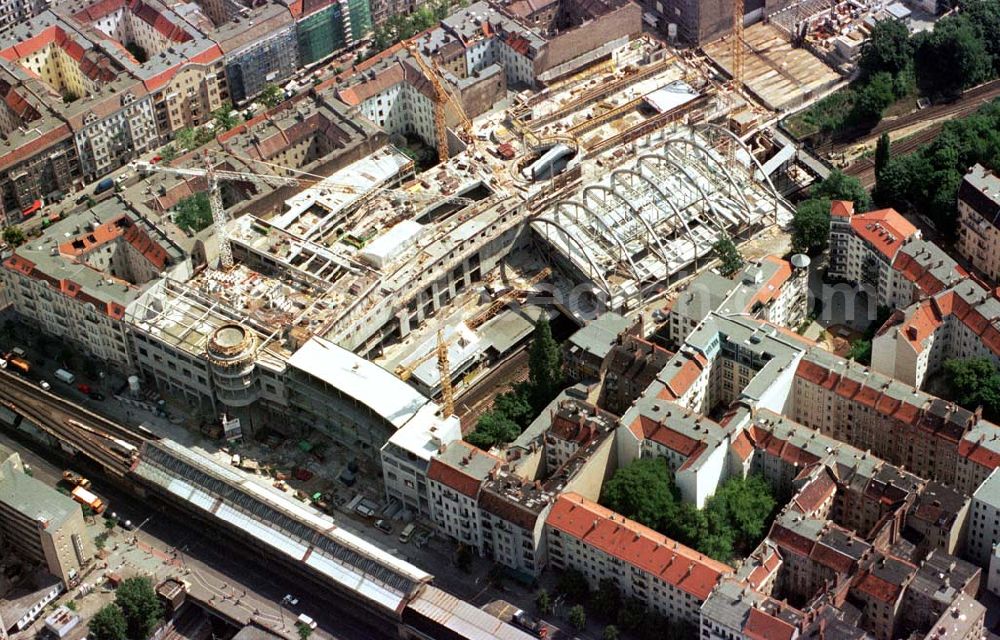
(598,188)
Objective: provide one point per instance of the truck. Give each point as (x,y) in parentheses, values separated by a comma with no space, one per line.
(103,186)
(88,499)
(18,364)
(76,479)
(65,376)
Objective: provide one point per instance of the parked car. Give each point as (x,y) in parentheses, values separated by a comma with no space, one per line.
(96,395)
(84,388)
(45,385)
(384,526)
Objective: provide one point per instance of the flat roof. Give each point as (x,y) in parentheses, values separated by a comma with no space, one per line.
(33,498)
(365,381)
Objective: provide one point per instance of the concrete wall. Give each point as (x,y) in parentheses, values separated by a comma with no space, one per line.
(602,463)
(483,89)
(625,21)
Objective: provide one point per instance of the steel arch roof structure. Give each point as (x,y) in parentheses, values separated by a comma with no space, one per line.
(644,222)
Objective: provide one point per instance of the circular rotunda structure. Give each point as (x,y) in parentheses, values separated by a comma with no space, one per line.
(230,351)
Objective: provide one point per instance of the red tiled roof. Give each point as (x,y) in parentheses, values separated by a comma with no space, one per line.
(679,379)
(120,227)
(811,496)
(878,588)
(641,547)
(763,626)
(842,208)
(769,290)
(649,429)
(979,454)
(885,230)
(742,445)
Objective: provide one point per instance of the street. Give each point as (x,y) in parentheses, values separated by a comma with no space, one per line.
(242,584)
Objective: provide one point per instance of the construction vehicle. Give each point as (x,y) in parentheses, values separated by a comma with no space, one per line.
(75,479)
(88,499)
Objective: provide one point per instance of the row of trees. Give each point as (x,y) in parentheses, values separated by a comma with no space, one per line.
(134,614)
(608,605)
(190,138)
(732,523)
(400,26)
(927,180)
(514,410)
(811,222)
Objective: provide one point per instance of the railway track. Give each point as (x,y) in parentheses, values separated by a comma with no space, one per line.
(864,169)
(77,429)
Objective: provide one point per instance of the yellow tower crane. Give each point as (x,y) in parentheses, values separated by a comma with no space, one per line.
(441,98)
(444,371)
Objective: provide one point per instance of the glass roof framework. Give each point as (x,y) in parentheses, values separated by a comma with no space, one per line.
(306,537)
(647,220)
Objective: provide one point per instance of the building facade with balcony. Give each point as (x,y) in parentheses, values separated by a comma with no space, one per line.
(979,220)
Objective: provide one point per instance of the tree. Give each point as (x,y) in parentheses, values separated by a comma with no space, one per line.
(463,557)
(950,58)
(811,226)
(871,100)
(840,186)
(577,617)
(861,351)
(140,607)
(631,614)
(168,153)
(493,428)
(271,95)
(887,50)
(544,601)
(193,213)
(13,235)
(883,151)
(606,600)
(573,585)
(544,365)
(186,138)
(642,491)
(610,633)
(743,507)
(516,405)
(304,630)
(108,624)
(728,254)
(975,382)
(226,117)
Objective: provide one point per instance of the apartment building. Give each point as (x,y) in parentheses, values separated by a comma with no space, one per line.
(42,525)
(454,480)
(940,581)
(771,289)
(978,220)
(259,49)
(632,365)
(585,352)
(671,579)
(984,521)
(863,246)
(76,281)
(897,422)
(939,517)
(962,321)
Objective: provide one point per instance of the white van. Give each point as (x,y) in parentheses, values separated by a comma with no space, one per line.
(407,531)
(306,621)
(65,376)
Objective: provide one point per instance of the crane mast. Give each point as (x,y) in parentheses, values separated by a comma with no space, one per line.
(444,370)
(737,45)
